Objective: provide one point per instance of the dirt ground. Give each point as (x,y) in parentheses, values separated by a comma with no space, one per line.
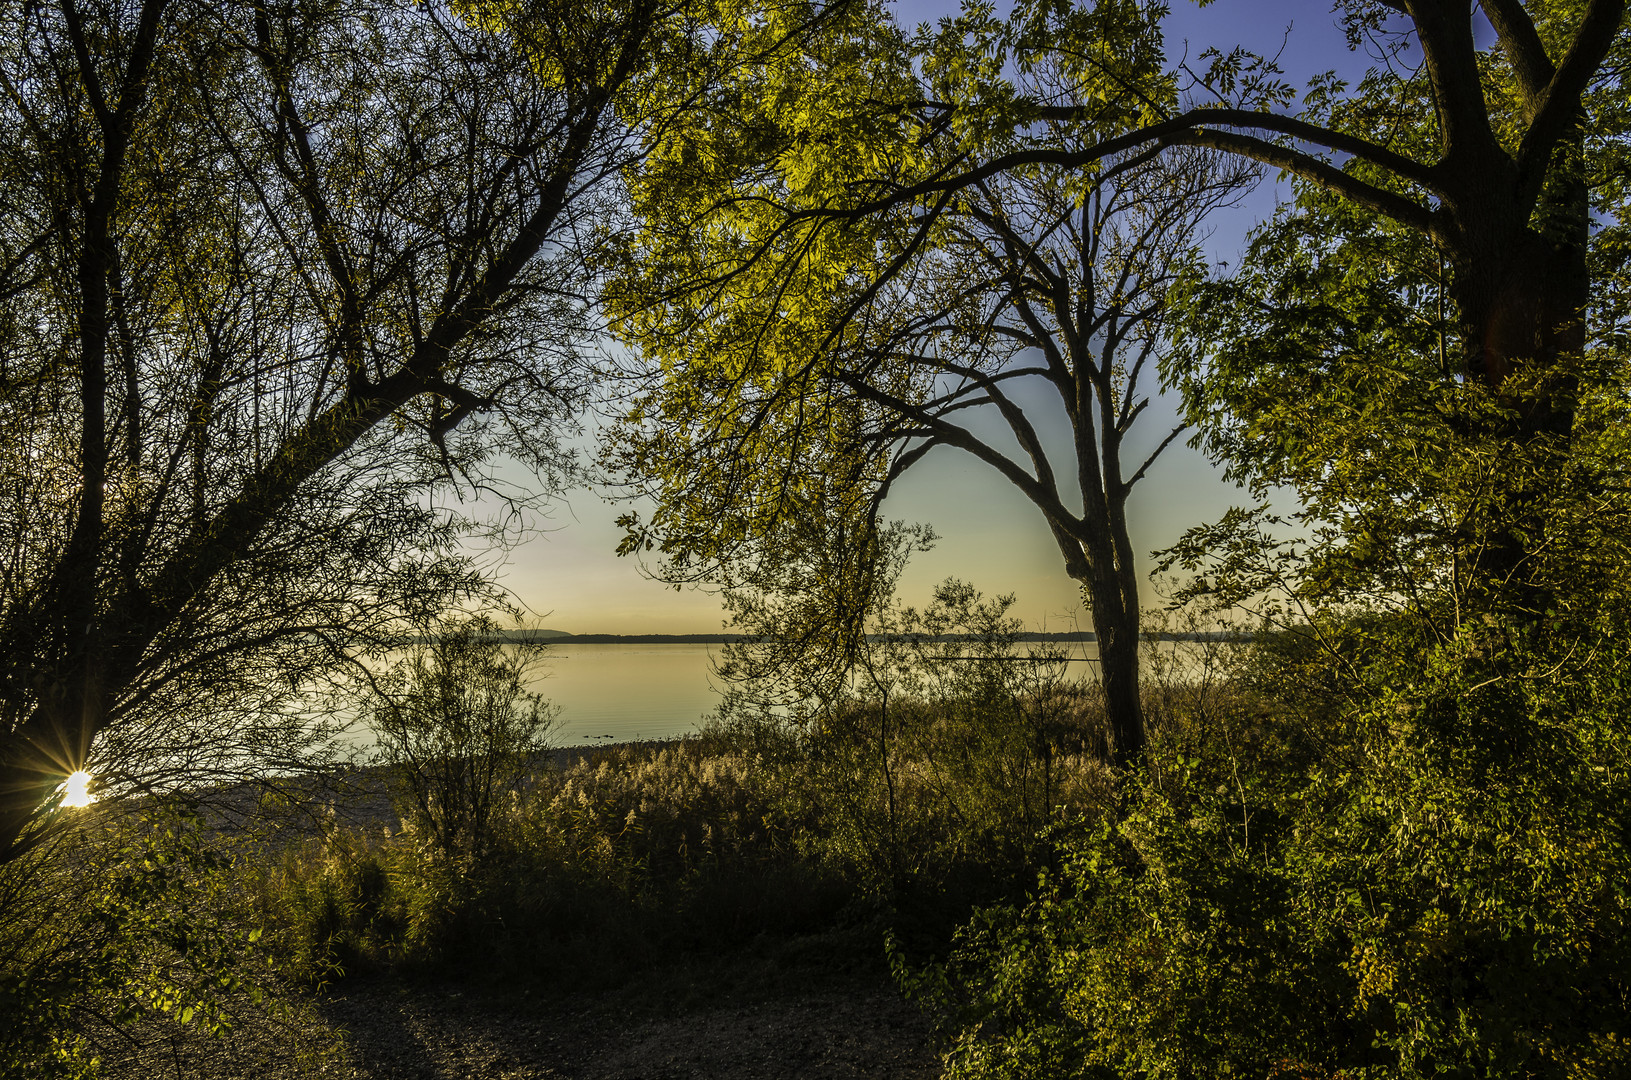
(730,1024)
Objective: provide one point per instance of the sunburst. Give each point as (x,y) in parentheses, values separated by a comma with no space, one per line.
(76,790)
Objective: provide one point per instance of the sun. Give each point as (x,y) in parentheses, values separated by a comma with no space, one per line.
(76,790)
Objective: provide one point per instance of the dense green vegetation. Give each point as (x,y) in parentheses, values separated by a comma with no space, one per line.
(893,809)
(274,280)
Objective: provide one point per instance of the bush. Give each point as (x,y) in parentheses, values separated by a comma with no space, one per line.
(458,729)
(929,774)
(121,921)
(1445,893)
(338,906)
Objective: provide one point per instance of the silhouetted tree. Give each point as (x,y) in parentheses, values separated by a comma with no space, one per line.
(270,278)
(1041,280)
(456,724)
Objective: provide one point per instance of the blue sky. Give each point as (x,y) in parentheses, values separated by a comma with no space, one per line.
(990,535)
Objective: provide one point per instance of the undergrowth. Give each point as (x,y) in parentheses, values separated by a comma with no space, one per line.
(745,838)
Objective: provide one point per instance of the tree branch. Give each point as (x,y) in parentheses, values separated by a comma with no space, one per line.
(1047,500)
(1523,48)
(1252,119)
(1560,104)
(1323,173)
(1166,442)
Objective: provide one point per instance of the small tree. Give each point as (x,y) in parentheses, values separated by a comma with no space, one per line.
(457,726)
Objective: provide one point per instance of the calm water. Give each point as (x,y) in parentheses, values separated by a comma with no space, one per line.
(615,693)
(620,693)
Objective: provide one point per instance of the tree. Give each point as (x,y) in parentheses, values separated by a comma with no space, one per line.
(458,728)
(270,280)
(786,230)
(1328,362)
(1039,278)
(1327,882)
(1497,188)
(854,353)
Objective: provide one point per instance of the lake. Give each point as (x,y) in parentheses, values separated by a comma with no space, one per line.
(614,693)
(618,693)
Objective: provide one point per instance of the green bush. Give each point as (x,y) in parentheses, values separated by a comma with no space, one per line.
(1445,892)
(927,775)
(121,920)
(337,906)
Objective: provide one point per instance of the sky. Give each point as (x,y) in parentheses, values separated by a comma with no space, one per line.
(569,578)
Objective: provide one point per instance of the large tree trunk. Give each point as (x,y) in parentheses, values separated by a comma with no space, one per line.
(1522,298)
(1521,288)
(1115,623)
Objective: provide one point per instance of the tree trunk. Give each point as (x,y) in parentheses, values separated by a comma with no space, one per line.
(1522,306)
(1521,287)
(1115,623)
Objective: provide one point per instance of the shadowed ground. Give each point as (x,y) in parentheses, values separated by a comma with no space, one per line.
(762,1019)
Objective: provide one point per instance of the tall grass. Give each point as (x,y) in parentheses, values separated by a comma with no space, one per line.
(594,871)
(907,811)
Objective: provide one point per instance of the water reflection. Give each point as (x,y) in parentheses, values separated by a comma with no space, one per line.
(617,693)
(621,692)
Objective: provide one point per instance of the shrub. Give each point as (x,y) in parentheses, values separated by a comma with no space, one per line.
(928,775)
(1444,893)
(338,905)
(458,729)
(123,920)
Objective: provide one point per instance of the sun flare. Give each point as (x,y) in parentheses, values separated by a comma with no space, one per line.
(76,790)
